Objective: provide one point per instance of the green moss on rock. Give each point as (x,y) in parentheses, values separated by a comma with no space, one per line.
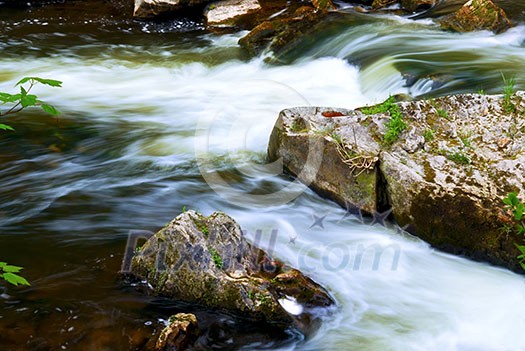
(444,190)
(477,15)
(219,270)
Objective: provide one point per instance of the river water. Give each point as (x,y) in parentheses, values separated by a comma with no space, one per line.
(157,117)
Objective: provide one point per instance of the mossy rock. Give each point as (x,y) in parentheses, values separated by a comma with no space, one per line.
(477,15)
(182,261)
(447,188)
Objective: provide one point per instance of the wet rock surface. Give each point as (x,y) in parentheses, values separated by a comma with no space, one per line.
(417,5)
(282,34)
(477,15)
(290,29)
(444,179)
(230,12)
(156,8)
(182,332)
(275,25)
(207,261)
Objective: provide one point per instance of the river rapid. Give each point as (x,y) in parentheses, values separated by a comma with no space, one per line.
(150,110)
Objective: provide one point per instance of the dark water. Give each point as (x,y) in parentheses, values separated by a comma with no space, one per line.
(137,99)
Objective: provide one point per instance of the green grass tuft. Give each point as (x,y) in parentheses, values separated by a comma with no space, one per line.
(217,259)
(396,125)
(459,158)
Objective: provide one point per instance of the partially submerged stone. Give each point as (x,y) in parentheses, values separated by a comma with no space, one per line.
(277,34)
(155,8)
(477,15)
(444,179)
(208,262)
(377,4)
(417,5)
(407,5)
(229,12)
(292,31)
(181,332)
(324,5)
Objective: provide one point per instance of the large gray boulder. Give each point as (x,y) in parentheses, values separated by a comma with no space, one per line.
(444,178)
(208,262)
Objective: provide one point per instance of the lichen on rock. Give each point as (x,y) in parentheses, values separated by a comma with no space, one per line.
(181,262)
(347,154)
(444,178)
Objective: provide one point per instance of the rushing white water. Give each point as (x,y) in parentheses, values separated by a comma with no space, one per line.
(393,291)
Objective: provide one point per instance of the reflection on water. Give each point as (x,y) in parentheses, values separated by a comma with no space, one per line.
(122,157)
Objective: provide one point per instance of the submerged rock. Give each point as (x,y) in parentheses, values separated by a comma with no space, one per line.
(208,262)
(444,178)
(477,15)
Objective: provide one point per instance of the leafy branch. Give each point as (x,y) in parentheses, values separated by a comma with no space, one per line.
(23,99)
(10,276)
(517,208)
(15,103)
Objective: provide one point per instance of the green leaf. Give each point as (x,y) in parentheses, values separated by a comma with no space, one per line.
(50,82)
(5,97)
(522,264)
(23,81)
(511,199)
(15,279)
(518,214)
(5,127)
(50,109)
(11,269)
(521,248)
(28,100)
